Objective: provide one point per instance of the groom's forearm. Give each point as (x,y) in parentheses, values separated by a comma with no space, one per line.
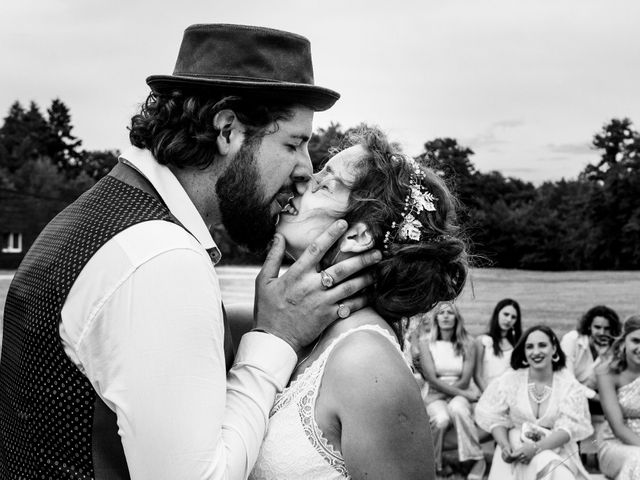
(262,368)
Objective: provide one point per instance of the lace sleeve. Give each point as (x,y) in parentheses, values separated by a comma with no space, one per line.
(574,417)
(492,409)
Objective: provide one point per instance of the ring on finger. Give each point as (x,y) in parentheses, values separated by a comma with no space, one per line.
(343,311)
(326,279)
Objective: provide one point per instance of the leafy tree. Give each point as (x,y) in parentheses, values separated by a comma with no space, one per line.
(448,158)
(23,136)
(40,177)
(323,140)
(27,135)
(614,203)
(97,163)
(489,201)
(62,146)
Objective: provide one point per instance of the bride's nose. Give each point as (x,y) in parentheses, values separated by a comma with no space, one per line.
(313,184)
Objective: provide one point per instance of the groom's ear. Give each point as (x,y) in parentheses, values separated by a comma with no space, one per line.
(357,239)
(230,130)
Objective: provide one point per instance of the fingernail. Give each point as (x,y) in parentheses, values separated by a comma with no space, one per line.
(377,256)
(276,239)
(341,223)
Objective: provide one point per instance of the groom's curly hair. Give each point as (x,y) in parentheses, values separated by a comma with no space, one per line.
(177,126)
(413,276)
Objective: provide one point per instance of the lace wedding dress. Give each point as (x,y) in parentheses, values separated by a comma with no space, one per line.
(294,446)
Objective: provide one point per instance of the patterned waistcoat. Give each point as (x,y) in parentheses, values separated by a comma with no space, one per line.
(52,423)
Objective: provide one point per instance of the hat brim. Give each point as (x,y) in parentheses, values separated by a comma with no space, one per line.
(316,98)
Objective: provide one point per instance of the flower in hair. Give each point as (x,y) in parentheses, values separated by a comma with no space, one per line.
(410,229)
(417,201)
(422,200)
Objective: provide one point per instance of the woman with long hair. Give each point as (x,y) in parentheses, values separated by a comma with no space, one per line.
(536,413)
(619,387)
(493,349)
(352,408)
(418,329)
(447,359)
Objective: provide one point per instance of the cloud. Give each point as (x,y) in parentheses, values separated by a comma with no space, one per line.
(492,135)
(483,139)
(581,148)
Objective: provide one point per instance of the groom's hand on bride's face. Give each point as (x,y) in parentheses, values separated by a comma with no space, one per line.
(295,306)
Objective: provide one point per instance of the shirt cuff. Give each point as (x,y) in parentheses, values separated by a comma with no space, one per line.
(268,353)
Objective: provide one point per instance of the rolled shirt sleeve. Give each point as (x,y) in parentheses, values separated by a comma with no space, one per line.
(149,337)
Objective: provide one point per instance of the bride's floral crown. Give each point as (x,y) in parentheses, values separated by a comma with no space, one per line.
(419,199)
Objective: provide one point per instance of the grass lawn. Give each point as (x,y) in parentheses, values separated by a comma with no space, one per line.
(555,298)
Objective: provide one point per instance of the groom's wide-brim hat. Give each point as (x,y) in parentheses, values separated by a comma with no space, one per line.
(228,59)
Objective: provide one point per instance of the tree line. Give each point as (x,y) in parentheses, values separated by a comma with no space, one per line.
(40,156)
(591,222)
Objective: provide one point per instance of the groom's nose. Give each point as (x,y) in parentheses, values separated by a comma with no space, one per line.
(302,171)
(303,184)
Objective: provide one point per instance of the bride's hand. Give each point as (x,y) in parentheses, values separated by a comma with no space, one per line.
(526,452)
(296,306)
(506,454)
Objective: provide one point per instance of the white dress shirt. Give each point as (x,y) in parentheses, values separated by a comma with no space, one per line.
(580,361)
(144,323)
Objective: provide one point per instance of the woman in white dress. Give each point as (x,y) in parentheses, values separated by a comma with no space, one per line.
(493,349)
(619,387)
(418,330)
(353,408)
(536,412)
(447,359)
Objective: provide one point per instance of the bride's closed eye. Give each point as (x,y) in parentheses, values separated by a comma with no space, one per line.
(327,184)
(321,181)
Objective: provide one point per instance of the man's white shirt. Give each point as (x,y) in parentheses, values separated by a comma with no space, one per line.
(144,323)
(580,361)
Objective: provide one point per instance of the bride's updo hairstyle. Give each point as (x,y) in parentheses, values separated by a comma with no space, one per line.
(411,214)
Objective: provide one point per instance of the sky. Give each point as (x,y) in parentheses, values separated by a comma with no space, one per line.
(525,85)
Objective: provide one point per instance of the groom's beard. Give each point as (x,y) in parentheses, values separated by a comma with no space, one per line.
(245,214)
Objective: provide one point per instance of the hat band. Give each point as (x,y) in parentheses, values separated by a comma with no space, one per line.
(231,77)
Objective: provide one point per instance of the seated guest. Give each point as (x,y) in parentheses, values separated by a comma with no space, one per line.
(585,346)
(493,349)
(536,413)
(619,387)
(447,359)
(417,330)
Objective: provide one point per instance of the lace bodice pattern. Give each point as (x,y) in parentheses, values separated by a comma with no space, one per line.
(294,446)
